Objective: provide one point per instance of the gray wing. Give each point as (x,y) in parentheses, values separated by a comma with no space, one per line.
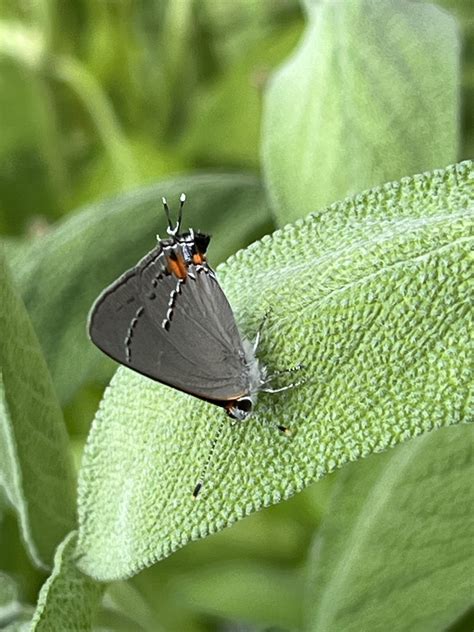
(196,347)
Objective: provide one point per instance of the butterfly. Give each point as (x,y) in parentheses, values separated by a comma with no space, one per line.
(169,319)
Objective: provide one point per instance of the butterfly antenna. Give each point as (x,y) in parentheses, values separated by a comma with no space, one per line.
(202,478)
(167,212)
(182,200)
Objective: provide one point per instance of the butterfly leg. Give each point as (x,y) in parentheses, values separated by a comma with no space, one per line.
(268,389)
(260,329)
(166,322)
(270,378)
(282,388)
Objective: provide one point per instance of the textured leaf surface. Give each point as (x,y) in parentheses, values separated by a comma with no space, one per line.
(68,599)
(398,534)
(36,467)
(372,295)
(62,274)
(360,102)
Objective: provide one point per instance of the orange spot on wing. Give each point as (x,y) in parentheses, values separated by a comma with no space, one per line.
(232,402)
(178,267)
(198,258)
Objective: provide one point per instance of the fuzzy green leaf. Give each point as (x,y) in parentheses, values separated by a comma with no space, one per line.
(68,599)
(372,296)
(36,466)
(61,274)
(370,95)
(398,533)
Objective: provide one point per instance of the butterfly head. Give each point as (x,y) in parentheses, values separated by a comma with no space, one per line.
(191,244)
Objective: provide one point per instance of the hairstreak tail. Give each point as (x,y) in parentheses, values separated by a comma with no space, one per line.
(169,319)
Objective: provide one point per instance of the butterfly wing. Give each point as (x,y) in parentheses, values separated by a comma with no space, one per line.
(179,332)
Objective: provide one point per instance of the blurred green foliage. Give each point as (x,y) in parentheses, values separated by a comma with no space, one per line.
(102,98)
(98,97)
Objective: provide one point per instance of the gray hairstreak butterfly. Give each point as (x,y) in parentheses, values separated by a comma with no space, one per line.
(169,319)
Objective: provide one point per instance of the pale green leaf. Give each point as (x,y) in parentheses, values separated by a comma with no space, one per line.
(10,606)
(373,296)
(14,616)
(21,625)
(8,592)
(36,466)
(233,98)
(396,549)
(68,599)
(371,94)
(13,247)
(124,606)
(462,10)
(257,593)
(61,274)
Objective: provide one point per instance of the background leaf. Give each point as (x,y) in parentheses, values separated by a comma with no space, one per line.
(8,593)
(61,274)
(398,534)
(68,599)
(36,468)
(124,608)
(269,546)
(462,10)
(13,614)
(245,591)
(372,295)
(9,602)
(342,114)
(236,97)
